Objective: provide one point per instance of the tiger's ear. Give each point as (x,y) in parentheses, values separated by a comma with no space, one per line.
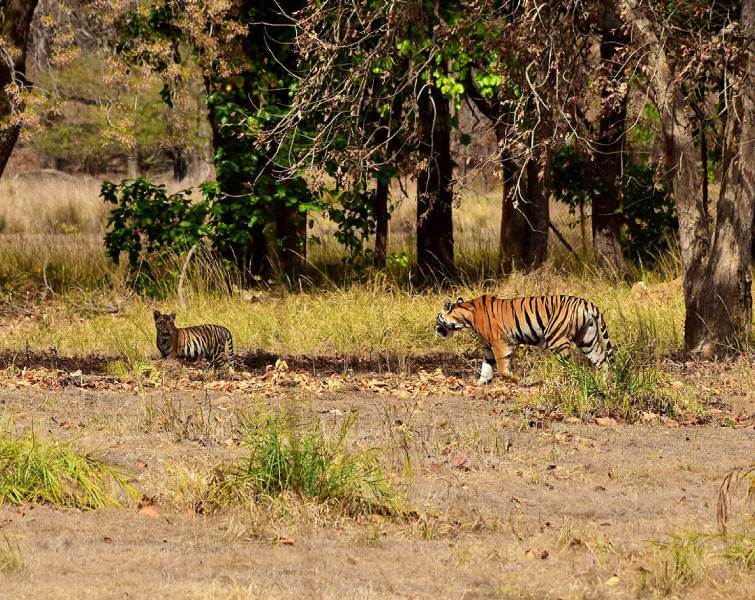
(459,300)
(172,316)
(156,314)
(448,306)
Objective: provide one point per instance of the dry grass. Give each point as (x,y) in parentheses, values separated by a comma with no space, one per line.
(11,560)
(367,319)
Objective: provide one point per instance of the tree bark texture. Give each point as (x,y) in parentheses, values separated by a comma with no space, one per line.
(435,238)
(381,223)
(727,314)
(15,19)
(717,280)
(606,220)
(525,217)
(382,215)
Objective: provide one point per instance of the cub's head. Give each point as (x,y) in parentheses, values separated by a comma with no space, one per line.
(454,316)
(164,322)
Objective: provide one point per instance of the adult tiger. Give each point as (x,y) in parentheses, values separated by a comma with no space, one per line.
(551,322)
(213,342)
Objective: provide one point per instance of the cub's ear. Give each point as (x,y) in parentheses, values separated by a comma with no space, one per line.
(156,314)
(172,316)
(448,306)
(459,300)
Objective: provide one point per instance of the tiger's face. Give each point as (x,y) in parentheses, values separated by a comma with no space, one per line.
(454,317)
(166,331)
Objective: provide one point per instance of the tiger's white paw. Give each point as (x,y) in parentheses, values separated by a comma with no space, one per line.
(486,374)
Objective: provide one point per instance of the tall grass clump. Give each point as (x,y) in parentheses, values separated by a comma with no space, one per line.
(10,555)
(680,562)
(32,470)
(285,457)
(623,389)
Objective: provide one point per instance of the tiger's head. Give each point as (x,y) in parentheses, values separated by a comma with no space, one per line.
(454,317)
(166,331)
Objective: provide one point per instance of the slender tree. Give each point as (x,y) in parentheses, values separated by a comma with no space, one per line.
(15,21)
(613,81)
(435,241)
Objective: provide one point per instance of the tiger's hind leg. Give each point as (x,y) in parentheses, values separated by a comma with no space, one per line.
(590,342)
(559,346)
(488,366)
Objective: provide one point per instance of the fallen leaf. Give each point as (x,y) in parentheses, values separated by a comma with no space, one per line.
(606,421)
(459,462)
(612,581)
(284,541)
(147,508)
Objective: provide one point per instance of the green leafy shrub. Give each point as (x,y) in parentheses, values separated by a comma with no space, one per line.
(283,457)
(623,389)
(150,226)
(648,213)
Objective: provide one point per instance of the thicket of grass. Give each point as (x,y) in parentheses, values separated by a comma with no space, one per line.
(10,555)
(283,456)
(689,556)
(624,389)
(38,471)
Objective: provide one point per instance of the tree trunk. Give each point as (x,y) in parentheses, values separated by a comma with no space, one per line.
(725,320)
(381,223)
(382,216)
(435,238)
(15,19)
(525,218)
(180,163)
(717,280)
(288,251)
(606,205)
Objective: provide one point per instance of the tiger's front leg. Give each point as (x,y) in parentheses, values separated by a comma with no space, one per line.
(503,352)
(488,364)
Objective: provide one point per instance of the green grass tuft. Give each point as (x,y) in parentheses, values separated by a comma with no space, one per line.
(740,547)
(282,456)
(623,389)
(681,562)
(10,555)
(36,471)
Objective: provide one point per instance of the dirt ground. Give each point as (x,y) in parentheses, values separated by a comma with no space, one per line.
(505,506)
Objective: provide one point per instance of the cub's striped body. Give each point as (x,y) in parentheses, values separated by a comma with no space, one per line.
(552,322)
(212,342)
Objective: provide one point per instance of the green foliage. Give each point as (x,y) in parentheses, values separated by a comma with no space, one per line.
(648,214)
(149,225)
(251,92)
(53,473)
(623,389)
(283,457)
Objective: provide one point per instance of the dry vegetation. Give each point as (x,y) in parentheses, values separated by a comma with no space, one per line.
(308,479)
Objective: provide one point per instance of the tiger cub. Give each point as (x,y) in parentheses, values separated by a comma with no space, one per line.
(552,322)
(212,342)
